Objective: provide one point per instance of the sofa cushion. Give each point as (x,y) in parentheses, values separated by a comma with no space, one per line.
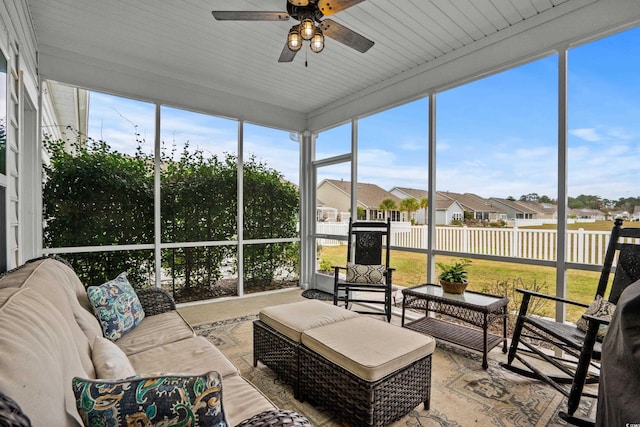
(38,358)
(16,277)
(194,400)
(54,271)
(368,348)
(194,354)
(294,318)
(242,400)
(109,361)
(117,306)
(155,331)
(59,285)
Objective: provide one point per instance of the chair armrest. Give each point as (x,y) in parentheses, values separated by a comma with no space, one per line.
(155,301)
(598,320)
(338,267)
(276,418)
(551,297)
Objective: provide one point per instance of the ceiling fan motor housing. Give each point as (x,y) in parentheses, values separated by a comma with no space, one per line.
(301,12)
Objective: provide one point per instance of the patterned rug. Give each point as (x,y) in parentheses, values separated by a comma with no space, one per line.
(463,394)
(316,294)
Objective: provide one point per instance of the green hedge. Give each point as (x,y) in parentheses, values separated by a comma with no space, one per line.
(95,196)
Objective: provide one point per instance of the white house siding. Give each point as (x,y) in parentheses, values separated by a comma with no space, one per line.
(22,180)
(333,197)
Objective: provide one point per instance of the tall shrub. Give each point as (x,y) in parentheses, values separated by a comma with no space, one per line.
(93,196)
(270,211)
(198,204)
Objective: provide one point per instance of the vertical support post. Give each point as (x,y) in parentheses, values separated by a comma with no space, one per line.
(157,200)
(561,269)
(307,210)
(431,209)
(354,170)
(240,223)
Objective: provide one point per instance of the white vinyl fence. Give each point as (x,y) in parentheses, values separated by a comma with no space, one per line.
(583,247)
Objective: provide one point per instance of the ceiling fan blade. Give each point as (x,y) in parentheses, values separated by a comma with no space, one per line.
(339,32)
(230,15)
(330,7)
(299,2)
(287,54)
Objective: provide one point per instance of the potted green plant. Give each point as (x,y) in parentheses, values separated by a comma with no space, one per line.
(453,275)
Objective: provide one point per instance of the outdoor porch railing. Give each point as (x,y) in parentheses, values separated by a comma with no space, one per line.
(583,246)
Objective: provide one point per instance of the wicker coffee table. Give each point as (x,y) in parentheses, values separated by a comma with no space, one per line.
(477,309)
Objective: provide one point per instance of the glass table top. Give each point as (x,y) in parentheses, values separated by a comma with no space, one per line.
(468,297)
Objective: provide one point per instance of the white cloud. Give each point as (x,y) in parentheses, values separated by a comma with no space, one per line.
(621,134)
(587,134)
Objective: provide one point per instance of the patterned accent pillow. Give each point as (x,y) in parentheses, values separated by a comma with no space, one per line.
(598,308)
(171,400)
(116,306)
(362,273)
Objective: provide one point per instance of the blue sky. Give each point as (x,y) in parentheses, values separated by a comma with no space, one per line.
(495,136)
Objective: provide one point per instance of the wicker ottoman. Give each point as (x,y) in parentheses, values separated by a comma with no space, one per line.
(367,371)
(276,335)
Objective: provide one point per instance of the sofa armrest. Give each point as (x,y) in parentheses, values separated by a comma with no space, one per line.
(155,301)
(276,418)
(11,414)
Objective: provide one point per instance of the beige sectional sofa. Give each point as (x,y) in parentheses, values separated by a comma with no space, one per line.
(47,329)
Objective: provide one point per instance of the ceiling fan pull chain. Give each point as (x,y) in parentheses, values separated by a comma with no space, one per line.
(306,56)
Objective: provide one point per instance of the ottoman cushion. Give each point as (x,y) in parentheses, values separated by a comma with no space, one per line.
(294,318)
(367,347)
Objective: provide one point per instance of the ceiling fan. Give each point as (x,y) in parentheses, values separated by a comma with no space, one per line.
(308,13)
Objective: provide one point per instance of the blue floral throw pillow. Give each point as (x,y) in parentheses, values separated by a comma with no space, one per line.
(168,400)
(362,273)
(116,306)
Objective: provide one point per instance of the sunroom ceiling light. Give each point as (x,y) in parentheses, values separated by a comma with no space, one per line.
(301,32)
(317,41)
(307,29)
(294,40)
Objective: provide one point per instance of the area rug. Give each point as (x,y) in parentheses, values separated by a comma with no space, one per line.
(316,294)
(463,394)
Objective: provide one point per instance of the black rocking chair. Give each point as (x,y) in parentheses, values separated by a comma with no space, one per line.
(580,351)
(368,271)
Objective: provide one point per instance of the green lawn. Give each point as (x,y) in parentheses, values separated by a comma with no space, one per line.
(491,276)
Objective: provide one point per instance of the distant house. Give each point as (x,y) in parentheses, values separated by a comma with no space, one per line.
(515,209)
(619,214)
(337,194)
(543,210)
(420,216)
(325,213)
(636,214)
(587,213)
(478,207)
(447,209)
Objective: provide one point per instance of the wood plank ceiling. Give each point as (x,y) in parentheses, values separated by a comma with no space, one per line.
(182,40)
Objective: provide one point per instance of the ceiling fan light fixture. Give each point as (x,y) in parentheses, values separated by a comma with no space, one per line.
(307,28)
(317,41)
(294,40)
